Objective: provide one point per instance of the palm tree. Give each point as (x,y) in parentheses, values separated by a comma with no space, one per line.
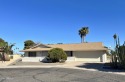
(7,48)
(115,38)
(83,32)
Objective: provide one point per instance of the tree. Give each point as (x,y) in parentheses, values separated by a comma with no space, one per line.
(28,44)
(118,55)
(115,38)
(2,42)
(57,55)
(83,32)
(6,49)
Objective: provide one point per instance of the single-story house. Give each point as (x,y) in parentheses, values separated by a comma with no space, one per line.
(86,52)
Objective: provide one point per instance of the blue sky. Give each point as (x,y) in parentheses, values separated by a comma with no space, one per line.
(58,21)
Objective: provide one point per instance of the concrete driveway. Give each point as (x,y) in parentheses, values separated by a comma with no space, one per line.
(66,64)
(56,75)
(19,63)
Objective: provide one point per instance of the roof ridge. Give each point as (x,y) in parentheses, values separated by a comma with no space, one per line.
(39,45)
(74,43)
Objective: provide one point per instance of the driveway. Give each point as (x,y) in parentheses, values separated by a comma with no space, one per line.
(56,75)
(74,65)
(19,63)
(66,64)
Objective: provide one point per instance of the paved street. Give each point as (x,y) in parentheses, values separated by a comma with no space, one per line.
(56,75)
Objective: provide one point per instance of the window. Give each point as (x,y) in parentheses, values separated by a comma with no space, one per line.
(32,54)
(69,53)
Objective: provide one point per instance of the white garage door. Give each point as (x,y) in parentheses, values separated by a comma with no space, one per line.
(88,56)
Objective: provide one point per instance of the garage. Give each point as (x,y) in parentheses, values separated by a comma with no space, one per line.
(89,56)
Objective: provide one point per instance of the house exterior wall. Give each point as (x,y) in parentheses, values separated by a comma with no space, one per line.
(85,56)
(31,59)
(70,59)
(44,53)
(40,56)
(90,56)
(26,54)
(104,57)
(70,56)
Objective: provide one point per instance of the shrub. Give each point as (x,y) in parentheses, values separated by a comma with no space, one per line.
(57,55)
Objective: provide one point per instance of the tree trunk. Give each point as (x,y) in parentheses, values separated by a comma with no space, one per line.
(83,39)
(3,56)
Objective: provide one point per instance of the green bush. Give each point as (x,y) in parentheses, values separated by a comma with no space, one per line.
(57,55)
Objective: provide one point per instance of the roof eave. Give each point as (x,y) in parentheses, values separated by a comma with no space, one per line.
(64,50)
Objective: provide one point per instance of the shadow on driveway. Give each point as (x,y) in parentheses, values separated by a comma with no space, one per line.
(99,67)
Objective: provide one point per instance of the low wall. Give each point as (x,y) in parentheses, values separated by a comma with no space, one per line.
(70,58)
(33,59)
(16,56)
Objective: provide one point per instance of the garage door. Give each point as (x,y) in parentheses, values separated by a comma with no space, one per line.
(88,56)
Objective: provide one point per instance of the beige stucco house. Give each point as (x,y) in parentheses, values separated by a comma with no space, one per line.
(86,52)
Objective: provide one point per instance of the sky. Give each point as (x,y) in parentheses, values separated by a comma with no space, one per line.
(58,21)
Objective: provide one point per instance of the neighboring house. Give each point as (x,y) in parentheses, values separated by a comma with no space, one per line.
(86,52)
